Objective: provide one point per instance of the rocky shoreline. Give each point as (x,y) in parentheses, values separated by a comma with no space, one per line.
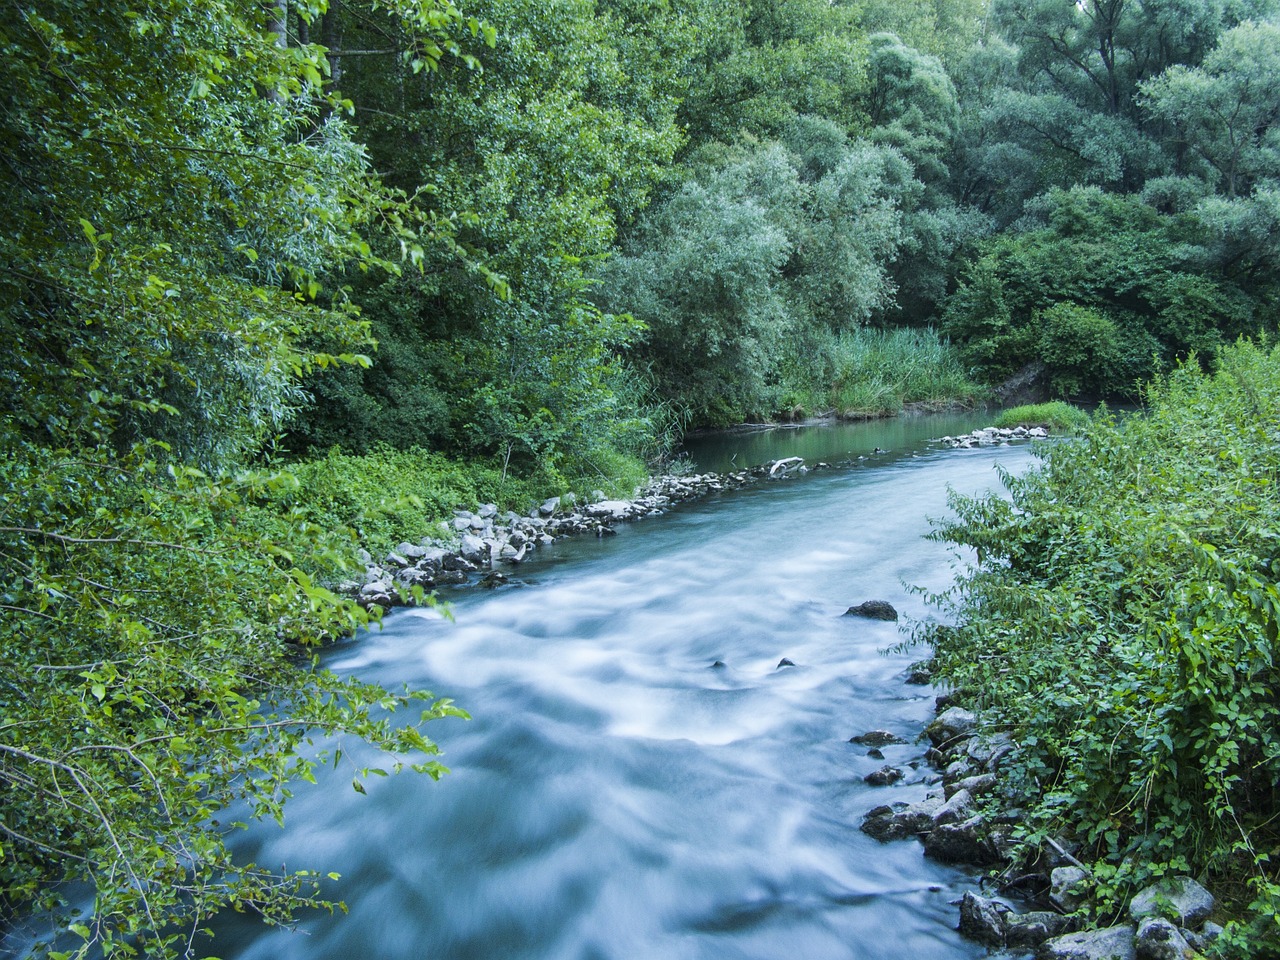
(968,818)
(477,545)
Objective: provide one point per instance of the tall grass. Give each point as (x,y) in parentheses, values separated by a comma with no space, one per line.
(871,373)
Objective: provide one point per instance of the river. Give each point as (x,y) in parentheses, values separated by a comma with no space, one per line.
(616,797)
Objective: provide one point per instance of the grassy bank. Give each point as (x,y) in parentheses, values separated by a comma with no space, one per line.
(874,373)
(387,496)
(1121,622)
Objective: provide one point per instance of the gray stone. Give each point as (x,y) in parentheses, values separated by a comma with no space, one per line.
(462,523)
(395,560)
(1204,939)
(979,785)
(982,920)
(901,820)
(549,506)
(1064,883)
(876,738)
(952,724)
(364,557)
(411,550)
(473,548)
(955,810)
(884,776)
(1111,943)
(487,510)
(456,564)
(1158,939)
(987,750)
(873,610)
(613,509)
(1179,898)
(1031,929)
(963,842)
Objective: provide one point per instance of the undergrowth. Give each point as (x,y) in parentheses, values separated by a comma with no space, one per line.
(1121,620)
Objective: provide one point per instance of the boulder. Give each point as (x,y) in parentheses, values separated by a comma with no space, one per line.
(1028,930)
(549,506)
(883,777)
(955,810)
(963,842)
(876,738)
(873,610)
(982,920)
(902,820)
(1158,939)
(611,509)
(411,550)
(954,723)
(1179,898)
(1111,943)
(1064,887)
(473,548)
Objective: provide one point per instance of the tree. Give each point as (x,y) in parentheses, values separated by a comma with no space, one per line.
(181,195)
(1225,111)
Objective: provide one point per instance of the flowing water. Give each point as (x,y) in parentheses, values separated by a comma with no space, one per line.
(616,796)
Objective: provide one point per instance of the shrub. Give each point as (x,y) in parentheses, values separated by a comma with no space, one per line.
(1055,414)
(1121,621)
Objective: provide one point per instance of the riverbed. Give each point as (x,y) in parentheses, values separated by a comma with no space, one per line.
(619,796)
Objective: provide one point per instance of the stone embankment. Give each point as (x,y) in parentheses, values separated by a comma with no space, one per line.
(478,544)
(970,818)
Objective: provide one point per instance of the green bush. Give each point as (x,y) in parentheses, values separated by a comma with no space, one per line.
(866,372)
(1055,414)
(1121,623)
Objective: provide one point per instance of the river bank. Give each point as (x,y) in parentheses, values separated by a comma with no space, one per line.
(478,544)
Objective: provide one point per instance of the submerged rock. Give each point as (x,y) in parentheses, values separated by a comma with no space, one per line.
(873,610)
(877,738)
(884,777)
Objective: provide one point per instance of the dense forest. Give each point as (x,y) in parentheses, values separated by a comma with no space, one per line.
(257,253)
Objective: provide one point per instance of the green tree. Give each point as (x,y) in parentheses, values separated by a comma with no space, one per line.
(1225,111)
(181,196)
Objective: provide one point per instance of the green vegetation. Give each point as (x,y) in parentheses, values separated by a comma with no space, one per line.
(878,372)
(1121,622)
(1055,414)
(278,276)
(388,496)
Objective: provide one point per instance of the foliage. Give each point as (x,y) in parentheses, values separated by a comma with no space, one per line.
(1104,290)
(1120,620)
(763,248)
(152,677)
(181,198)
(546,154)
(868,373)
(1055,414)
(388,495)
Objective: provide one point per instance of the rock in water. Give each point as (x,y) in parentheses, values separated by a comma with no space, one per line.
(873,610)
(877,738)
(784,662)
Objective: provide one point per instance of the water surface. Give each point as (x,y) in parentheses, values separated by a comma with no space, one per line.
(616,796)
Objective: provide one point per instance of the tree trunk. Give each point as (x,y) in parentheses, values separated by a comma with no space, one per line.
(331,37)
